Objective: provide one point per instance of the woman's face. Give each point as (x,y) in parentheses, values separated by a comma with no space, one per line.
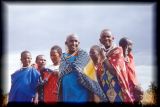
(72,44)
(55,56)
(41,61)
(26,59)
(106,39)
(129,46)
(94,54)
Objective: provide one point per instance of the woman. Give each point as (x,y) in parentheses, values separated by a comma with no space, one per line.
(114,78)
(135,89)
(49,76)
(24,81)
(75,85)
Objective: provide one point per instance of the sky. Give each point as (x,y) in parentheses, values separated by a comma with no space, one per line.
(37,27)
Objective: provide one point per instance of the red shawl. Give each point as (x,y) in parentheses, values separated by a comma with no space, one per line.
(131,73)
(51,88)
(131,70)
(116,59)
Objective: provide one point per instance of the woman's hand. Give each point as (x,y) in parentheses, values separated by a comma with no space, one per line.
(35,99)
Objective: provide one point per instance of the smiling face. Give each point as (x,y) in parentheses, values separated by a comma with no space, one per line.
(26,59)
(106,38)
(72,43)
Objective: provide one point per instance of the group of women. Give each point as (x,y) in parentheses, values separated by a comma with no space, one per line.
(106,74)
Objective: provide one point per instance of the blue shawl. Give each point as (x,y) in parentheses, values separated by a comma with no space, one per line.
(23,85)
(77,66)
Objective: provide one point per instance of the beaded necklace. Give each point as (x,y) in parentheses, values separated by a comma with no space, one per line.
(73,54)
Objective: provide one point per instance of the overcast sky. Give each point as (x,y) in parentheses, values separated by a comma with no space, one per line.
(37,27)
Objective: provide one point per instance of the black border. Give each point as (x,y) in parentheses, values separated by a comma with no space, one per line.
(156,39)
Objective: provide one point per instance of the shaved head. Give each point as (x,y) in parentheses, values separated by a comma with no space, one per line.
(126,45)
(72,36)
(106,38)
(72,43)
(39,56)
(40,61)
(124,42)
(96,47)
(96,54)
(105,32)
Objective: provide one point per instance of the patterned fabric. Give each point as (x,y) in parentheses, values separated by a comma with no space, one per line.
(111,86)
(131,74)
(116,59)
(92,86)
(90,71)
(48,86)
(71,90)
(78,65)
(24,83)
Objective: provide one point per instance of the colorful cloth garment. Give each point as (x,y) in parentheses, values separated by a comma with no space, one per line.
(111,86)
(131,74)
(48,86)
(24,83)
(90,71)
(115,81)
(74,84)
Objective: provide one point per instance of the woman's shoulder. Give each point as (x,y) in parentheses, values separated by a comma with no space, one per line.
(118,48)
(116,51)
(82,51)
(34,70)
(17,71)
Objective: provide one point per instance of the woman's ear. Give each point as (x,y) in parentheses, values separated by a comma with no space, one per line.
(65,43)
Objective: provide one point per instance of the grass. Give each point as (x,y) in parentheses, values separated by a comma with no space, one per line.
(149,98)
